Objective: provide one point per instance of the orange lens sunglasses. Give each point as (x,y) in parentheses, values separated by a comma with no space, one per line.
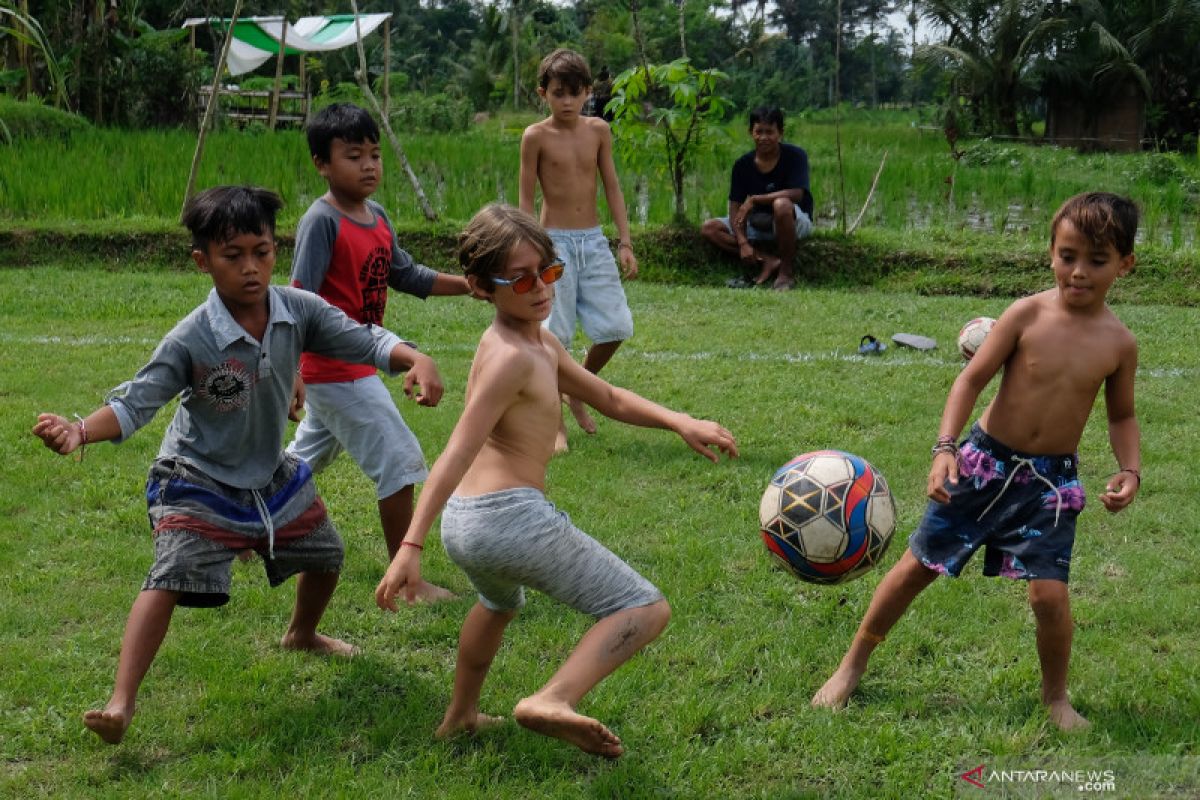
(549,274)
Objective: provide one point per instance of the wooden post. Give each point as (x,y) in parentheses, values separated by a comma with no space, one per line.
(274,113)
(387,65)
(208,111)
(304,90)
(23,55)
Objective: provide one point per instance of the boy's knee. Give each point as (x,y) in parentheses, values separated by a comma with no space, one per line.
(658,615)
(712,229)
(1049,600)
(783,208)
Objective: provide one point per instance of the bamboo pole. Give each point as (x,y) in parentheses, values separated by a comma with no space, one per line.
(870,194)
(274,114)
(387,66)
(208,111)
(361,74)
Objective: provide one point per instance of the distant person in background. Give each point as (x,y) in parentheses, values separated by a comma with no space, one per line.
(769,203)
(601,94)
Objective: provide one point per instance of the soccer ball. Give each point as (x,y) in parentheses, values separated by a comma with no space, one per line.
(971,337)
(828,516)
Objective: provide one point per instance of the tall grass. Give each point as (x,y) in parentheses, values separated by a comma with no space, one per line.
(998,187)
(718,706)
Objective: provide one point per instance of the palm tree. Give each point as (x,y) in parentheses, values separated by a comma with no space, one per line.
(991,50)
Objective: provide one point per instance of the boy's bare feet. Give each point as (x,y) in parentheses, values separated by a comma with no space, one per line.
(784,283)
(770,265)
(1064,715)
(559,720)
(432,593)
(560,439)
(319,644)
(474,724)
(109,724)
(837,690)
(582,417)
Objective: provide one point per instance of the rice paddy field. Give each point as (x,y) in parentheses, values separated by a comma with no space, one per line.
(1002,188)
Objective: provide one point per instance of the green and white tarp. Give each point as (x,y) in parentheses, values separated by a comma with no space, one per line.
(256,39)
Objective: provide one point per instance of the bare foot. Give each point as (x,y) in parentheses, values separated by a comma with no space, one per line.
(109,724)
(784,283)
(319,644)
(560,721)
(476,723)
(837,690)
(1066,717)
(582,417)
(432,593)
(560,439)
(770,265)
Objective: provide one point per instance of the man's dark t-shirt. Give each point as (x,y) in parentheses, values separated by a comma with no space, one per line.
(791,172)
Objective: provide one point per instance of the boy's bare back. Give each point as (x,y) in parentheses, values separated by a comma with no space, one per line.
(521,441)
(565,159)
(1058,362)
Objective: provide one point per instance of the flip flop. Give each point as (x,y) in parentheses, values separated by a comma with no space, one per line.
(914,341)
(870,346)
(740,283)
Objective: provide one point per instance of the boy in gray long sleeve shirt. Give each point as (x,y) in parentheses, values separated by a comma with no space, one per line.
(221,482)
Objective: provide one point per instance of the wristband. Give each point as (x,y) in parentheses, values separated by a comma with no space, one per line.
(406,543)
(945,444)
(625,244)
(83,438)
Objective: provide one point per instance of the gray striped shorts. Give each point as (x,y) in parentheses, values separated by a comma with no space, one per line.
(514,538)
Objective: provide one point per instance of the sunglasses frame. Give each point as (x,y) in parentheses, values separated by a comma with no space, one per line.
(541,273)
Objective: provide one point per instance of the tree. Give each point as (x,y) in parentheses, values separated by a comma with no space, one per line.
(991,51)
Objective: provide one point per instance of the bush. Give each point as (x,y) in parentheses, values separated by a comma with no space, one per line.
(31,119)
(160,86)
(433,113)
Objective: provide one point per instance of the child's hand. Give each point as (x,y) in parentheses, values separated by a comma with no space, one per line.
(945,468)
(58,433)
(404,574)
(424,374)
(296,407)
(1120,490)
(702,434)
(629,263)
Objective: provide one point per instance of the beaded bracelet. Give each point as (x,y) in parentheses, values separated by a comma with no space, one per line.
(83,438)
(625,244)
(945,444)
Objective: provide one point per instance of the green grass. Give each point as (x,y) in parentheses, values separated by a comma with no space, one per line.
(717,707)
(137,178)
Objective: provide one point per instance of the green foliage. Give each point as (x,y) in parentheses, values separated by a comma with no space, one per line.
(663,115)
(397,84)
(414,111)
(32,119)
(161,74)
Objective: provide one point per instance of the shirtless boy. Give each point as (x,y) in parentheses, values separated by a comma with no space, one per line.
(563,153)
(498,525)
(1011,485)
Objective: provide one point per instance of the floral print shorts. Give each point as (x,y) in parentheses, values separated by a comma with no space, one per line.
(1020,508)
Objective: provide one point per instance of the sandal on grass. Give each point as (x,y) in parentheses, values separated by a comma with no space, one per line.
(870,346)
(740,283)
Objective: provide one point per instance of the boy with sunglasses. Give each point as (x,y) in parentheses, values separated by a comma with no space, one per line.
(498,525)
(346,251)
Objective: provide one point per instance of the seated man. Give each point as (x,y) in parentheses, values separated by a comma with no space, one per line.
(769,201)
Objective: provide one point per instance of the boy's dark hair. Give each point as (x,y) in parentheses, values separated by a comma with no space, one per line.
(222,212)
(569,67)
(489,238)
(344,121)
(767,115)
(1104,218)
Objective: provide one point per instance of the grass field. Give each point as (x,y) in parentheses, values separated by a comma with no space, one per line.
(718,706)
(1007,189)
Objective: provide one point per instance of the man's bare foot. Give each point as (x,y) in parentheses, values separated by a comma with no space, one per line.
(770,265)
(582,417)
(784,283)
(109,724)
(837,690)
(476,723)
(319,644)
(1066,717)
(432,593)
(562,722)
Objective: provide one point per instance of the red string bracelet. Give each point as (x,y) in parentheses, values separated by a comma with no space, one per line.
(83,438)
(406,543)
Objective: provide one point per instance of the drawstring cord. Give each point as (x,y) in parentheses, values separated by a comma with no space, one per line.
(1026,462)
(266,518)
